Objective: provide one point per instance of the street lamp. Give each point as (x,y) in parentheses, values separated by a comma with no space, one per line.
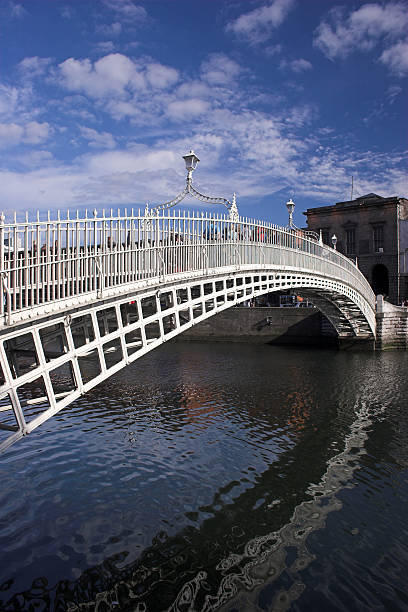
(191,160)
(290,205)
(334,241)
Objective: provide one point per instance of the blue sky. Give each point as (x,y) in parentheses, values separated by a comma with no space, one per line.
(100,99)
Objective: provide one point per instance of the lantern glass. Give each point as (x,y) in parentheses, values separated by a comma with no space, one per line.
(191,160)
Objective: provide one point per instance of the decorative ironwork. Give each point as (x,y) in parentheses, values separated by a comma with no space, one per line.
(192,160)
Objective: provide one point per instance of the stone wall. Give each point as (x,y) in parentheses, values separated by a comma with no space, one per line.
(392,326)
(300,326)
(265,325)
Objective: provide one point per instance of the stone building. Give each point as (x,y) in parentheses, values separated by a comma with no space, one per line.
(373,231)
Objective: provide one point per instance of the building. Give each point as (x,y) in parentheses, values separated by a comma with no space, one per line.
(373,231)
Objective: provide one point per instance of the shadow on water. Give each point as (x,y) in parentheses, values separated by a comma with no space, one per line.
(246,548)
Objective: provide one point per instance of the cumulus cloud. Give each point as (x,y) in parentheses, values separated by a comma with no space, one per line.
(219,69)
(361,30)
(161,77)
(12,134)
(256,26)
(113,73)
(396,58)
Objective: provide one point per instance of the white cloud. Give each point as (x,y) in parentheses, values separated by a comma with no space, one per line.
(181,110)
(113,29)
(161,77)
(392,93)
(34,66)
(113,162)
(9,99)
(193,89)
(113,73)
(297,66)
(36,159)
(116,76)
(96,139)
(362,30)
(12,134)
(35,132)
(127,9)
(219,69)
(396,58)
(257,25)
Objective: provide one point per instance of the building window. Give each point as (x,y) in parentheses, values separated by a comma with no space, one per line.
(378,237)
(350,241)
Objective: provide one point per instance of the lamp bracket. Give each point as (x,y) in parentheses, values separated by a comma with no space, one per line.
(190,190)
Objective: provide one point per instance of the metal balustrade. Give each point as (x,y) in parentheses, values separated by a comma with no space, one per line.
(51,262)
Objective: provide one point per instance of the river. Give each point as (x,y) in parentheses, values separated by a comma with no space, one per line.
(215,476)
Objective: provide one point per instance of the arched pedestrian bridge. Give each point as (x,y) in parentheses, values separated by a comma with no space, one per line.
(82,298)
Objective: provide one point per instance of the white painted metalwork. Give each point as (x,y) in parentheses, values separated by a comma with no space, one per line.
(191,161)
(82,297)
(290,205)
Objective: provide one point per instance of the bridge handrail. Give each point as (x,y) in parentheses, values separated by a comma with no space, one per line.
(44,261)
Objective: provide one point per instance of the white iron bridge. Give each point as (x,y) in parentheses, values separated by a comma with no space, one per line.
(82,298)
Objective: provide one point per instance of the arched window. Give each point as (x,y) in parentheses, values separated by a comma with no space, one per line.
(380,281)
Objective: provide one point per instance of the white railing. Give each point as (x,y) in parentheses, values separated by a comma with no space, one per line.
(45,261)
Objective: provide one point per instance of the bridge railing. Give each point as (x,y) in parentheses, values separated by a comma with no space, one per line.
(44,261)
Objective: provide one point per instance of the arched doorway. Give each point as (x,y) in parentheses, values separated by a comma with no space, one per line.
(380,281)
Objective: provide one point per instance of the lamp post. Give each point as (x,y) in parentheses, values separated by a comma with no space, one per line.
(334,241)
(191,160)
(290,205)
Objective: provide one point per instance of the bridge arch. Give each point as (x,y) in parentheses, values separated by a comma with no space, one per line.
(64,332)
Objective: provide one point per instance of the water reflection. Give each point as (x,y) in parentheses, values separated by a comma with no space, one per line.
(207,471)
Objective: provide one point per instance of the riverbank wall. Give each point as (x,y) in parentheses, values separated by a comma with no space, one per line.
(300,326)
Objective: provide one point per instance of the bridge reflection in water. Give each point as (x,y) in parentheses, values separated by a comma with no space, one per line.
(219,488)
(106,290)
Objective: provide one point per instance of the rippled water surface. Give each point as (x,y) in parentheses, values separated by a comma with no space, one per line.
(216,477)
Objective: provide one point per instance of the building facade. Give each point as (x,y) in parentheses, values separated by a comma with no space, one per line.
(373,231)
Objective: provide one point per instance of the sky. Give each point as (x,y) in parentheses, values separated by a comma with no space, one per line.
(99,101)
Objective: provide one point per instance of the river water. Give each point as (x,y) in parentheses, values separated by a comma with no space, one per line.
(215,476)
